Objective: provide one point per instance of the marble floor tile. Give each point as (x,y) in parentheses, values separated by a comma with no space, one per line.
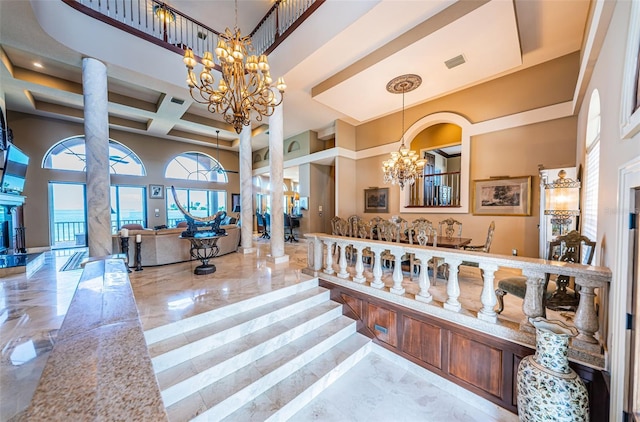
(376,389)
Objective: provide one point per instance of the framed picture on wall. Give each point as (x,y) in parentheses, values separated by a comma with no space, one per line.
(376,200)
(235,202)
(502,196)
(156,191)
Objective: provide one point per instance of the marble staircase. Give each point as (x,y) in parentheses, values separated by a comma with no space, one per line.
(262,358)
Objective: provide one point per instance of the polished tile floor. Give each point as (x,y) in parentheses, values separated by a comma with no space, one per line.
(382,387)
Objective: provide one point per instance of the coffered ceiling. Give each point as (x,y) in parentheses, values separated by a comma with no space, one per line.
(336,64)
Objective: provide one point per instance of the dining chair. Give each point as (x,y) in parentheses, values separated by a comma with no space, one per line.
(448,228)
(487,244)
(572,247)
(353,225)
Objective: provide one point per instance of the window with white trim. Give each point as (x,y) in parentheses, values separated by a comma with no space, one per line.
(592,173)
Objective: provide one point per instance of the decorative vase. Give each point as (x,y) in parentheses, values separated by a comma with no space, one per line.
(548,389)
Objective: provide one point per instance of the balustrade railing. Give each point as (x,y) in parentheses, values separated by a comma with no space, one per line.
(592,282)
(436,190)
(65,231)
(156,20)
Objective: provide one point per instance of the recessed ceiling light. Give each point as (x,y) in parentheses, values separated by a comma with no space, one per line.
(38,65)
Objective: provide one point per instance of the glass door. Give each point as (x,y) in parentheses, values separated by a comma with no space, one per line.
(67,215)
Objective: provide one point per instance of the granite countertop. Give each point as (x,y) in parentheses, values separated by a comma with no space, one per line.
(100,367)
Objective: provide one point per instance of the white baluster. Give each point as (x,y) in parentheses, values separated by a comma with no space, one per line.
(488,295)
(423,279)
(359,277)
(317,256)
(453,287)
(343,261)
(377,269)
(328,269)
(397,273)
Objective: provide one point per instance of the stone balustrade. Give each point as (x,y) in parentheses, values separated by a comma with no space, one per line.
(593,282)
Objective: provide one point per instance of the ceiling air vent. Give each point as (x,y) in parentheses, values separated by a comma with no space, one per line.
(456,61)
(177,100)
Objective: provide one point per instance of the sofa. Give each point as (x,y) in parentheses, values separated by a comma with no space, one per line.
(164,246)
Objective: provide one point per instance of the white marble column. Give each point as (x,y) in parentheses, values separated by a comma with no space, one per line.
(246,192)
(276,170)
(96,132)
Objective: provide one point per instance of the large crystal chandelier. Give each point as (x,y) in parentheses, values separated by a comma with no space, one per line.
(404,166)
(245,84)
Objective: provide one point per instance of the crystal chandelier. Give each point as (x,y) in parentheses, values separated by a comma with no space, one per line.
(404,166)
(245,84)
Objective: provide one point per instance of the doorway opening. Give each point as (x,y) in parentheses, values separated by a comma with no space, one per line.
(67,215)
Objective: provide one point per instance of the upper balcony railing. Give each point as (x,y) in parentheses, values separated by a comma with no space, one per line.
(163,25)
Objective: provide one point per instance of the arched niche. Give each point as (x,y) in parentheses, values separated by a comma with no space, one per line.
(417,130)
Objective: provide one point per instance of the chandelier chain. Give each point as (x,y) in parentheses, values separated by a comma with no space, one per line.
(245,84)
(404,166)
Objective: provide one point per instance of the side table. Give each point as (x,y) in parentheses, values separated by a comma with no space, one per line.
(204,248)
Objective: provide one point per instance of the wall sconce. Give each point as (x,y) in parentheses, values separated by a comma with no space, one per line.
(562,201)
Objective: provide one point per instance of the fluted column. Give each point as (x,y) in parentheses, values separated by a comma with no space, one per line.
(96,133)
(276,170)
(246,192)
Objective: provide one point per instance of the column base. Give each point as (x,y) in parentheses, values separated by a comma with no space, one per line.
(488,317)
(278,259)
(399,291)
(452,307)
(246,251)
(424,299)
(375,285)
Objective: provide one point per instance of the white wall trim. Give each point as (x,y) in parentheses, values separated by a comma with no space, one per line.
(543,114)
(628,179)
(630,120)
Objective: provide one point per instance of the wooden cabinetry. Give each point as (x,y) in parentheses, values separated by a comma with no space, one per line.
(479,362)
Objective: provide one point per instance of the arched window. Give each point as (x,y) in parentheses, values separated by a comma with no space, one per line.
(592,166)
(196,166)
(70,154)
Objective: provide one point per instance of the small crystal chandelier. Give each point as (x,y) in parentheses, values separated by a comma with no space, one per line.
(245,85)
(404,166)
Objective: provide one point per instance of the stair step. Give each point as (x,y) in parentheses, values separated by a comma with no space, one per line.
(166,331)
(188,377)
(286,398)
(233,391)
(184,346)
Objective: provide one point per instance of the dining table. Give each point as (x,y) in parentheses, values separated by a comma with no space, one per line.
(451,242)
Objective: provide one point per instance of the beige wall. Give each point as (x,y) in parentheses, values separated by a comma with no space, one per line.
(35,135)
(514,152)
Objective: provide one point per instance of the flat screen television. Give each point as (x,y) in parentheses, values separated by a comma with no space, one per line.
(15,170)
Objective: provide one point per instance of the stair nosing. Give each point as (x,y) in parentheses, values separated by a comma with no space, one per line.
(156,334)
(183,353)
(297,331)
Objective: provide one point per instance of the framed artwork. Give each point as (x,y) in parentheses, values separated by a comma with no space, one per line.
(376,200)
(235,202)
(502,196)
(156,191)
(304,202)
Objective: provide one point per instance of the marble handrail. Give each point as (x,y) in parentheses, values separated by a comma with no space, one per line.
(99,368)
(592,280)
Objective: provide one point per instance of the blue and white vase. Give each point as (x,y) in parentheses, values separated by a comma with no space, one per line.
(548,389)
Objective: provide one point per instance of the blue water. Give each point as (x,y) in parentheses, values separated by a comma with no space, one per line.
(74,215)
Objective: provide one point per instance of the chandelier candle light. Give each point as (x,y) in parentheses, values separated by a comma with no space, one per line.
(245,84)
(404,166)
(562,200)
